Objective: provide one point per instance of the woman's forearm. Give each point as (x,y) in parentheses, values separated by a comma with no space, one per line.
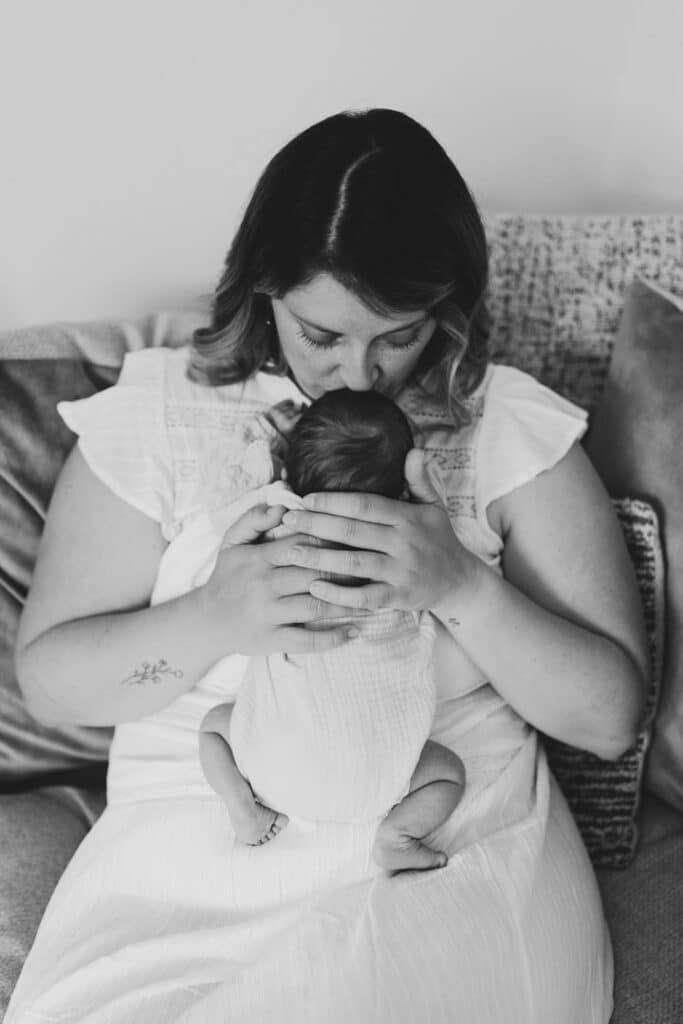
(573,684)
(118,667)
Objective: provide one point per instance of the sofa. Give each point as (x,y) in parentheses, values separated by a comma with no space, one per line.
(592,307)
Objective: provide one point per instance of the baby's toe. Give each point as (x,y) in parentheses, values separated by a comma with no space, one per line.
(276,826)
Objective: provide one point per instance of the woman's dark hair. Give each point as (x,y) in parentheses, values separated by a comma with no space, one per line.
(349,441)
(371,198)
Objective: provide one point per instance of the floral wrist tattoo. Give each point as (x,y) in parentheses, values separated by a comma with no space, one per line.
(149,673)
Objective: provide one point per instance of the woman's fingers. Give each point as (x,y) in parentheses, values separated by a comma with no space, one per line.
(299,640)
(370,508)
(368,565)
(341,530)
(290,579)
(306,608)
(252,524)
(369,598)
(277,552)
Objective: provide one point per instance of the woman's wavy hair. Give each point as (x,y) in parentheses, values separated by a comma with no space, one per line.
(373,199)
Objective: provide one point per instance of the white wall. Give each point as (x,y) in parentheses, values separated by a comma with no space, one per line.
(132,130)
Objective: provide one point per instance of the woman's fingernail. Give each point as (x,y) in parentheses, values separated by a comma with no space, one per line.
(289,518)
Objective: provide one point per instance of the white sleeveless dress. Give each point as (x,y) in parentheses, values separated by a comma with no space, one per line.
(162,917)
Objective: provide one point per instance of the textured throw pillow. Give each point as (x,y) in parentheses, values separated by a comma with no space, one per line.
(39,367)
(636,444)
(604,796)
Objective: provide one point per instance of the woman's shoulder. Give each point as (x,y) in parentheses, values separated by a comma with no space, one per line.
(505,386)
(521,414)
(149,367)
(166,371)
(526,429)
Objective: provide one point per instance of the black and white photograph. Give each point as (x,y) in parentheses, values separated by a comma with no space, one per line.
(341,512)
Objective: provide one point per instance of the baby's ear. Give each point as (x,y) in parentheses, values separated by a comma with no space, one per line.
(285,415)
(419,436)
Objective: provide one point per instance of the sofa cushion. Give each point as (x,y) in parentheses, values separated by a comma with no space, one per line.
(644,910)
(635,443)
(38,367)
(604,796)
(557,286)
(39,833)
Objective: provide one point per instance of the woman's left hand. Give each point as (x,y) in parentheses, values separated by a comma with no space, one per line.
(408,550)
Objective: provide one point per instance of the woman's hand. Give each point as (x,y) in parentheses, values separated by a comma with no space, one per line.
(407,549)
(260,601)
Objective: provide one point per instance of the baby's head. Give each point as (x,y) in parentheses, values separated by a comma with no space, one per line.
(349,441)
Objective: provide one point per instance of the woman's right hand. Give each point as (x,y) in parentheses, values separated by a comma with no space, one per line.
(260,601)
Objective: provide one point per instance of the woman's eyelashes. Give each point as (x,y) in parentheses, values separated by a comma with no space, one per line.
(327,343)
(315,342)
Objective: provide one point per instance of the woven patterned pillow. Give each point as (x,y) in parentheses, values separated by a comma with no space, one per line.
(604,796)
(556,291)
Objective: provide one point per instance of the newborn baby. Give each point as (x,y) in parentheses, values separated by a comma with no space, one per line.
(340,735)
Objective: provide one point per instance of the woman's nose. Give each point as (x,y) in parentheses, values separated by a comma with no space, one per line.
(358,371)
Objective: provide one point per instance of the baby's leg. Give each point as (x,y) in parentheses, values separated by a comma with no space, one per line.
(436,789)
(253,822)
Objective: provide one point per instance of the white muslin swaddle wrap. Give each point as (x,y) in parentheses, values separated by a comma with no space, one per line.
(330,736)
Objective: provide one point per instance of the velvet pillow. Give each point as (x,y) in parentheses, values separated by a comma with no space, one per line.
(604,796)
(635,442)
(39,367)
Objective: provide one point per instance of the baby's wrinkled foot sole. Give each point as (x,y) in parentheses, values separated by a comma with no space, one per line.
(264,825)
(397,852)
(279,822)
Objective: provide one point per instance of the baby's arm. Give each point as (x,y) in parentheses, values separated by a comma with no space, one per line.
(253,823)
(435,790)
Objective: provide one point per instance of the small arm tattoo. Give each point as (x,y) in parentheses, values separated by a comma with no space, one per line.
(149,673)
(453,622)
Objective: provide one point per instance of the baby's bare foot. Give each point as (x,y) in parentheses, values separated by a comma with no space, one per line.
(396,851)
(258,824)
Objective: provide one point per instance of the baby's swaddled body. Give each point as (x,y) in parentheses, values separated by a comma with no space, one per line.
(330,736)
(335,736)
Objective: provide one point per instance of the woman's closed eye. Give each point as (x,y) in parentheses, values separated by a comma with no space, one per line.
(397,341)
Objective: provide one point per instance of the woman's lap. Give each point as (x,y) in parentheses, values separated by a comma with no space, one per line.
(183,927)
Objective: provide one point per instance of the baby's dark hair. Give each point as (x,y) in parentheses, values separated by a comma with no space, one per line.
(349,441)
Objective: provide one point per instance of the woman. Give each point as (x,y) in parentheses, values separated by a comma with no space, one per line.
(360,262)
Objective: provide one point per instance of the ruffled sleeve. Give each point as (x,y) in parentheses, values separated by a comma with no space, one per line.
(123,438)
(526,429)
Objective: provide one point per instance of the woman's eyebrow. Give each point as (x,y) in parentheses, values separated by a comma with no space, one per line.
(338,334)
